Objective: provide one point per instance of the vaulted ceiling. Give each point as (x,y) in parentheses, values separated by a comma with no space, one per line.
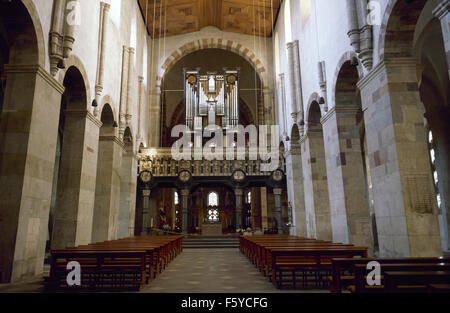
(252,17)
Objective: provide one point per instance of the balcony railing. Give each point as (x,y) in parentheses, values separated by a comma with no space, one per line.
(161,163)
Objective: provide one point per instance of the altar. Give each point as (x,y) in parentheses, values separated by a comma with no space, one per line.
(212,229)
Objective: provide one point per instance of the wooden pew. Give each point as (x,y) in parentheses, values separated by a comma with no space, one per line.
(407,281)
(438,288)
(116,263)
(343,269)
(116,269)
(314,260)
(361,273)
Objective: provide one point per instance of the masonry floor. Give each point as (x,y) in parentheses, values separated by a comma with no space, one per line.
(194,271)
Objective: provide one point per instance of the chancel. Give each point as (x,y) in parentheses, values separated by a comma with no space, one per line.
(171,146)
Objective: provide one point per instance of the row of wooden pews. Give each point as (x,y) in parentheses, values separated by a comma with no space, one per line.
(297,261)
(302,263)
(119,264)
(396,275)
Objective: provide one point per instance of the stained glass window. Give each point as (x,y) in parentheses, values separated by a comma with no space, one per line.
(213,199)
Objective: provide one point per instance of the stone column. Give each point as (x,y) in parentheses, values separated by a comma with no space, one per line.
(145,212)
(107,191)
(283,106)
(404,197)
(317,205)
(291,81)
(74,207)
(441,12)
(155,115)
(295,189)
(350,214)
(184,209)
(31,108)
(102,33)
(264,217)
(140,88)
(238,193)
(277,210)
(269,107)
(130,83)
(124,90)
(128,181)
(298,84)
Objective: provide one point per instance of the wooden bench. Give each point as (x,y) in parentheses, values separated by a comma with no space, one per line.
(116,263)
(99,269)
(343,269)
(361,274)
(438,288)
(408,281)
(312,262)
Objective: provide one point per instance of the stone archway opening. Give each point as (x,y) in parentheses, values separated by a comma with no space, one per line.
(107,189)
(128,185)
(24,214)
(65,224)
(351,172)
(434,90)
(316,194)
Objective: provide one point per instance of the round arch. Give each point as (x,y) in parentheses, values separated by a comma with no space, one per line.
(398,28)
(128,139)
(108,100)
(349,56)
(74,61)
(107,118)
(313,100)
(213,43)
(31,8)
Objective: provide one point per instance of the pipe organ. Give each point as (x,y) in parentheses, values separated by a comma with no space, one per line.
(211,99)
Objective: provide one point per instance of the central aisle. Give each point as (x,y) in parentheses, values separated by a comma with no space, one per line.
(211,271)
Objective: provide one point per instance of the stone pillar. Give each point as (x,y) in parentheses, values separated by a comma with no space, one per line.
(269,107)
(107,191)
(128,181)
(441,12)
(145,212)
(103,27)
(350,214)
(283,106)
(124,90)
(317,206)
(130,83)
(277,210)
(184,210)
(298,84)
(140,88)
(291,81)
(155,115)
(238,193)
(74,207)
(264,217)
(31,108)
(404,197)
(295,189)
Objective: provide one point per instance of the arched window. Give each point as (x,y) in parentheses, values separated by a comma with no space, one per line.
(431,147)
(133,34)
(116,7)
(176,201)
(287,21)
(249,197)
(213,199)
